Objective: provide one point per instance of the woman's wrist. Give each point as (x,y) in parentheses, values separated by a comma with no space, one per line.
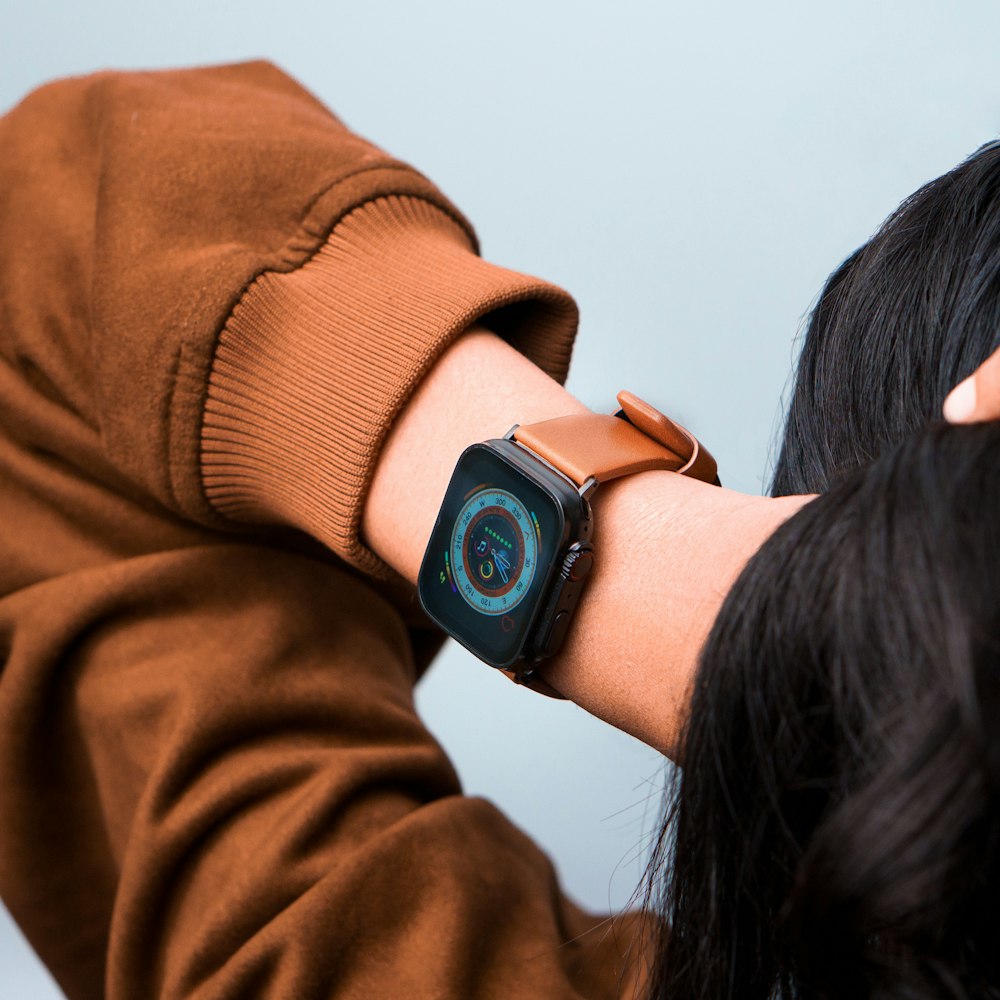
(667,548)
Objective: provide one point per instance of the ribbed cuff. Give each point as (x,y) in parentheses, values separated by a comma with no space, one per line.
(313,365)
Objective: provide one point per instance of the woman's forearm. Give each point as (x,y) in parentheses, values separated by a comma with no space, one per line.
(667,547)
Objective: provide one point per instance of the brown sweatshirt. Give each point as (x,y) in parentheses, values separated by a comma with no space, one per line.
(213,783)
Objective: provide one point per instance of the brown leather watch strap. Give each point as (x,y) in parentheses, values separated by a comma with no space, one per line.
(596,447)
(599,446)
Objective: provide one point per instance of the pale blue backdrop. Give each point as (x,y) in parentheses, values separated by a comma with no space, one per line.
(691,172)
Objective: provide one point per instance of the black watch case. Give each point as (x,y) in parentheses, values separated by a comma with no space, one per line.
(508,556)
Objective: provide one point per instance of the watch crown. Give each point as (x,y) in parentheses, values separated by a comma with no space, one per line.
(579,562)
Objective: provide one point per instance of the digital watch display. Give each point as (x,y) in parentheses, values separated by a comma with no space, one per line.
(488,574)
(494,551)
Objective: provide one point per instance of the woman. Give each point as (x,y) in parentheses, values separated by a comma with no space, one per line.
(241,351)
(840,790)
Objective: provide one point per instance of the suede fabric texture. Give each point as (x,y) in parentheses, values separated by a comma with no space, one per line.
(213,783)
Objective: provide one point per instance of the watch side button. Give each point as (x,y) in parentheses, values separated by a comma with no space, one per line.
(557,633)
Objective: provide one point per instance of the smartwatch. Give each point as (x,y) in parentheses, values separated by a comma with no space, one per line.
(511,547)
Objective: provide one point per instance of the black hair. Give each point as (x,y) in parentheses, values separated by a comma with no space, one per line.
(836,830)
(903,320)
(839,822)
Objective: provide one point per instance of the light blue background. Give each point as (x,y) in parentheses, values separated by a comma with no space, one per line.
(691,172)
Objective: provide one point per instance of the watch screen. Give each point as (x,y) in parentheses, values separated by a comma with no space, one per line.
(490,555)
(494,551)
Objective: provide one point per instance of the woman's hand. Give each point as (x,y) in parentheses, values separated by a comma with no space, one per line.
(977,397)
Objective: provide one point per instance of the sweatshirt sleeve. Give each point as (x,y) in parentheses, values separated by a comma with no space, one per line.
(213,783)
(169,204)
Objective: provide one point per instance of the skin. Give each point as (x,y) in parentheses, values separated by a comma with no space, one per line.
(667,548)
(977,397)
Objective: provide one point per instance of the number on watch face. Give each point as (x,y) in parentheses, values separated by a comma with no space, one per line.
(493,551)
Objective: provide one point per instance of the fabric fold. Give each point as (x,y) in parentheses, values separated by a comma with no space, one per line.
(314,364)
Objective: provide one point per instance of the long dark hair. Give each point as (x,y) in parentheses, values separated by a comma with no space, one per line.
(903,320)
(836,831)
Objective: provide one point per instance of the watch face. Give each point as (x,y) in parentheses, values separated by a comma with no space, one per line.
(494,550)
(490,556)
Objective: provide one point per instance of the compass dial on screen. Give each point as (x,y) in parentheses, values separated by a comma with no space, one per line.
(494,548)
